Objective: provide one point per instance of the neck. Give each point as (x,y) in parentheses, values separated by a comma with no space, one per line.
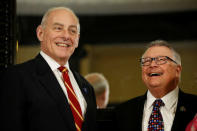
(159,92)
(60,60)
(62,63)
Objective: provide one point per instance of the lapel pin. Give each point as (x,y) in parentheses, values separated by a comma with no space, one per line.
(85,90)
(182,109)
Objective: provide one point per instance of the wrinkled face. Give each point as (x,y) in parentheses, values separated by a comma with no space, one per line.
(59,37)
(164,76)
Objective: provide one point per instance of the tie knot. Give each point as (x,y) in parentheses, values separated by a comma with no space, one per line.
(158,103)
(62,69)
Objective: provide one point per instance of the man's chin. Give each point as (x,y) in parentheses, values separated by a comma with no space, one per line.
(154,85)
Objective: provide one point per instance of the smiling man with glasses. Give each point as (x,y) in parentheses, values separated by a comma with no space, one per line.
(164,106)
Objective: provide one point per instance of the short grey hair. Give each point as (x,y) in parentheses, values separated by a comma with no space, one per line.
(47,13)
(164,43)
(98,81)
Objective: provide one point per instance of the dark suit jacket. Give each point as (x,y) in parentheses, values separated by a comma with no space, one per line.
(31,99)
(129,114)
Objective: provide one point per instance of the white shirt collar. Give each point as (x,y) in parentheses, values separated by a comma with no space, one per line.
(150,100)
(169,99)
(52,63)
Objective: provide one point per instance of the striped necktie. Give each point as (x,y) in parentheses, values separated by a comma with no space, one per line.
(72,99)
(156,121)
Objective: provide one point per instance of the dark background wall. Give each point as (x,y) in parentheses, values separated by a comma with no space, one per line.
(174,26)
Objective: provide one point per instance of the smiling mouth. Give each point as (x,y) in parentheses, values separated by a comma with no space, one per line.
(155,74)
(63,44)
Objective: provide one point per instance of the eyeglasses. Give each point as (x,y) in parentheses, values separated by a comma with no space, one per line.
(160,60)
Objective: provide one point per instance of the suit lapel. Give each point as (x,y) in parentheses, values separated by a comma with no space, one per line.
(140,110)
(180,114)
(136,114)
(50,83)
(131,115)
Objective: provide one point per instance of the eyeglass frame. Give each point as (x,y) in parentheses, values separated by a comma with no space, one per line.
(156,60)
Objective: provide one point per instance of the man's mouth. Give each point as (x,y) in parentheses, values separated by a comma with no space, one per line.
(155,74)
(63,44)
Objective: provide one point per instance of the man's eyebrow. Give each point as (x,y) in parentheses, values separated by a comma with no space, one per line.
(73,26)
(58,24)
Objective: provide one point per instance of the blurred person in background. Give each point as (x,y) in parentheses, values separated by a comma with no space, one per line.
(101,88)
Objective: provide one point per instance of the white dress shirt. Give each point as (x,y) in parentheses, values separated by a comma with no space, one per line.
(168,111)
(54,67)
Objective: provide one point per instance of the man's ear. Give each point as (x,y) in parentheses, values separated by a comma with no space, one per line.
(39,33)
(179,69)
(77,41)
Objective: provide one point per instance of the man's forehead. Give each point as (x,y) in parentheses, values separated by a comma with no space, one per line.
(61,22)
(158,51)
(62,13)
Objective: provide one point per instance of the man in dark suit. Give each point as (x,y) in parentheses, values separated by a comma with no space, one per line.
(161,72)
(33,95)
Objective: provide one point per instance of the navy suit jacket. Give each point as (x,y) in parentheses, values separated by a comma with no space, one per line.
(128,115)
(31,99)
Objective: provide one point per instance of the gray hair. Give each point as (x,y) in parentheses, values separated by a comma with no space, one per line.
(176,55)
(98,81)
(47,13)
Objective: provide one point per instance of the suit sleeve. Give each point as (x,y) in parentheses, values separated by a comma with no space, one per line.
(12,102)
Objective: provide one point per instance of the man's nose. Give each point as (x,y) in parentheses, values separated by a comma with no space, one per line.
(153,63)
(65,34)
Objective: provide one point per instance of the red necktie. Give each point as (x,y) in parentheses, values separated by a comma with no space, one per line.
(156,121)
(72,99)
